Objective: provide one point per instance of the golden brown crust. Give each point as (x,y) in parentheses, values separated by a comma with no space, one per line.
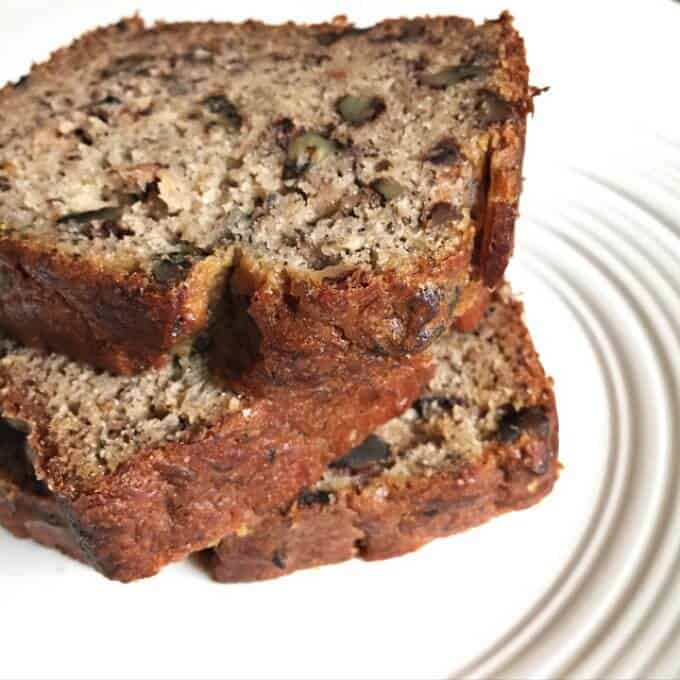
(503,183)
(124,324)
(471,306)
(388,314)
(128,323)
(169,501)
(502,199)
(343,319)
(373,531)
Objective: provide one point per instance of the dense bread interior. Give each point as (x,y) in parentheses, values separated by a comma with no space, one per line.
(306,147)
(488,386)
(98,420)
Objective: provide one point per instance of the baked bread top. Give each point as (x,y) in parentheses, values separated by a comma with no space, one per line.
(295,166)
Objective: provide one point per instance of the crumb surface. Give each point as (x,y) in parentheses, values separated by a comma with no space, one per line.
(99,421)
(304,147)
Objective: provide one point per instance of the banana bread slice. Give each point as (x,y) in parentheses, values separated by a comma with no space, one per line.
(328,186)
(481,441)
(133,472)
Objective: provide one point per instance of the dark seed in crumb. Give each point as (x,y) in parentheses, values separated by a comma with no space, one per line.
(304,150)
(445,152)
(175,475)
(132,60)
(452,75)
(382,165)
(171,267)
(327,38)
(513,422)
(358,110)
(308,497)
(387,187)
(114,228)
(409,31)
(292,171)
(4,184)
(443,213)
(270,455)
(424,405)
(106,101)
(128,64)
(372,450)
(279,559)
(108,213)
(283,129)
(83,136)
(493,108)
(219,105)
(99,108)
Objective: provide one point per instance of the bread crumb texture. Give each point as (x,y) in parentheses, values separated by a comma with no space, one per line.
(97,421)
(307,148)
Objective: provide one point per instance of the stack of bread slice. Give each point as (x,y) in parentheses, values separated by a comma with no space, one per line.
(252,294)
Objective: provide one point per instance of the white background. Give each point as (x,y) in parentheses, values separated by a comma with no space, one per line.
(585,584)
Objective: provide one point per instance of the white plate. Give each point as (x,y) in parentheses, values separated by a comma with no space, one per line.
(584,585)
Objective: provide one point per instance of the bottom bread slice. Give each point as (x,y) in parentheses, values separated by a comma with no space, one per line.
(480,442)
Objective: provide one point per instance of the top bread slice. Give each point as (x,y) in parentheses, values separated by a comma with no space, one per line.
(145,469)
(295,187)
